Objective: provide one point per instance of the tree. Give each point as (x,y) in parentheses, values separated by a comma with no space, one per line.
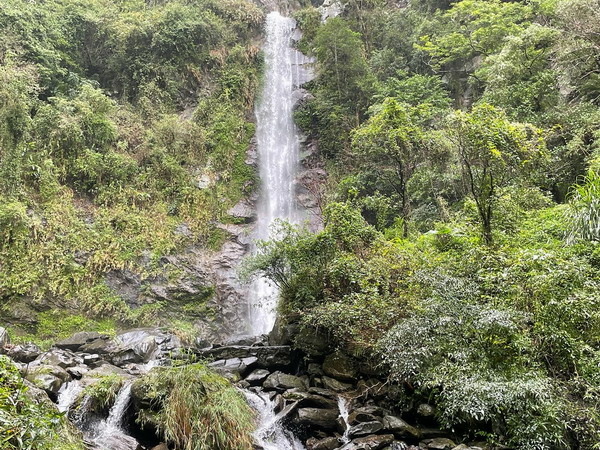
(578,49)
(391,143)
(493,152)
(343,71)
(473,28)
(519,77)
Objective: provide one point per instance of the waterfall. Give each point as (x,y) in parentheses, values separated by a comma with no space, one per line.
(278,151)
(269,434)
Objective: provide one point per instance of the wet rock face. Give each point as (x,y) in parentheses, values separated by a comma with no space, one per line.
(206,288)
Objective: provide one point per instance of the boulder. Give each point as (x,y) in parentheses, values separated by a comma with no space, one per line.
(245,340)
(58,357)
(257,377)
(425,410)
(117,441)
(162,446)
(282,332)
(105,369)
(371,409)
(37,394)
(365,428)
(306,399)
(400,428)
(48,378)
(78,340)
(335,385)
(360,416)
(339,366)
(439,443)
(136,346)
(323,392)
(24,353)
(311,341)
(374,442)
(4,337)
(91,359)
(325,419)
(430,433)
(280,381)
(238,365)
(328,443)
(267,356)
(97,346)
(314,370)
(78,371)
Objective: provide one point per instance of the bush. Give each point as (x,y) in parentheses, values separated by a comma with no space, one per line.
(28,422)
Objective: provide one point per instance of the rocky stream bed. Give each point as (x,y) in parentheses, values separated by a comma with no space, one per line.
(321,403)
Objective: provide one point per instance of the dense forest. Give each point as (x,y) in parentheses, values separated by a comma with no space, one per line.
(461,211)
(459,250)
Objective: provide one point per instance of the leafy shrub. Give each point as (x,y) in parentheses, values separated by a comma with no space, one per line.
(28,422)
(584,215)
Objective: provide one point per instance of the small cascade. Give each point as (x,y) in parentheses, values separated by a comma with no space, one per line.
(109,433)
(68,395)
(270,434)
(343,406)
(80,415)
(115,417)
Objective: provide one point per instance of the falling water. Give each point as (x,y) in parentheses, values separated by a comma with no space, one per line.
(115,416)
(109,434)
(344,414)
(270,434)
(278,151)
(68,395)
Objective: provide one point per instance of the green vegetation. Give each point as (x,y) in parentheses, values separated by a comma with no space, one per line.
(101,394)
(193,408)
(111,115)
(462,217)
(28,422)
(460,240)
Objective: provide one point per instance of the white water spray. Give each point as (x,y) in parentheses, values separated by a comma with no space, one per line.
(109,434)
(278,152)
(68,395)
(343,406)
(270,434)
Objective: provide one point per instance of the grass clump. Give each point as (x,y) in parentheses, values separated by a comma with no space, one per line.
(193,408)
(103,392)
